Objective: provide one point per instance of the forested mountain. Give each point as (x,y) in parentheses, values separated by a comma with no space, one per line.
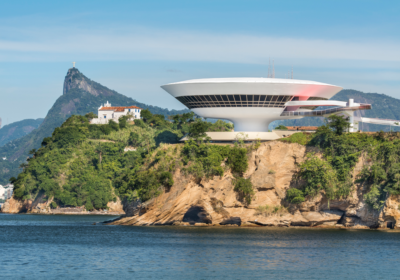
(80,96)
(383,107)
(18,129)
(88,164)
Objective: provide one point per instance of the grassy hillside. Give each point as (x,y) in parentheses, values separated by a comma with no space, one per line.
(80,96)
(17,130)
(84,164)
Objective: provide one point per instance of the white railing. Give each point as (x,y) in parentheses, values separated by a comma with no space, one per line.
(324,112)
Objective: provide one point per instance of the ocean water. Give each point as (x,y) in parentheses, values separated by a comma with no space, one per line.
(71,247)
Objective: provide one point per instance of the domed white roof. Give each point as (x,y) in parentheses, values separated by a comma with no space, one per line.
(249,80)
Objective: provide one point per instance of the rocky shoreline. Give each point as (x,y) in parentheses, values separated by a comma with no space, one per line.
(214,202)
(271,170)
(40,207)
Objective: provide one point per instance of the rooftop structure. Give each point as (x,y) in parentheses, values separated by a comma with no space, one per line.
(107,112)
(253,103)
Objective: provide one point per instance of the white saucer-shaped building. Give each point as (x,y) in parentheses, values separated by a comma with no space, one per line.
(253,103)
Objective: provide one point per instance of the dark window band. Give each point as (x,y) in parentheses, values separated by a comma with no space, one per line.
(207,101)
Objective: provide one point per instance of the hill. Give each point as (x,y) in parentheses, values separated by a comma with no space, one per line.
(80,96)
(383,107)
(90,165)
(18,129)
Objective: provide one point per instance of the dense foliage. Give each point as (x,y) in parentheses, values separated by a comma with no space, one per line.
(85,164)
(341,151)
(74,101)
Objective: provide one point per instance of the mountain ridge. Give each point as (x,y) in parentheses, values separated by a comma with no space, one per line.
(18,129)
(80,96)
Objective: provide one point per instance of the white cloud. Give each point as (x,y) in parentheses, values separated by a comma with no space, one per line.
(60,44)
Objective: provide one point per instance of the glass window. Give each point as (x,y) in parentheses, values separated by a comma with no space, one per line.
(213,101)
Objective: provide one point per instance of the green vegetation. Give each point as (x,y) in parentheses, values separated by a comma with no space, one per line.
(299,138)
(74,101)
(84,164)
(281,127)
(268,210)
(341,151)
(244,188)
(17,130)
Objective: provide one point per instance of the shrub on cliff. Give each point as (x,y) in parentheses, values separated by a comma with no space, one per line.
(244,188)
(295,196)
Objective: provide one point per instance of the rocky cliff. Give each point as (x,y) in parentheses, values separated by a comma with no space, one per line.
(271,170)
(41,206)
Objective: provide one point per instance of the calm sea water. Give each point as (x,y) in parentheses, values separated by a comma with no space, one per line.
(67,247)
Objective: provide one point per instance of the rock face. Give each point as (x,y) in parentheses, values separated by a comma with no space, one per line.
(41,206)
(271,170)
(13,206)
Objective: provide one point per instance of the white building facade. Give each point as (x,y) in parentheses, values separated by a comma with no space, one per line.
(107,112)
(6,192)
(253,103)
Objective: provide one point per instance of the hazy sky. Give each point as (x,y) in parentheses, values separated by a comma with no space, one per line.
(134,47)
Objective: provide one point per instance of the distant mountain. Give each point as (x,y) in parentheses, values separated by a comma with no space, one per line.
(383,107)
(80,96)
(18,129)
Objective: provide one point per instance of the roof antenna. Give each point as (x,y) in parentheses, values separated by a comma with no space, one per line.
(269,68)
(273,69)
(292,72)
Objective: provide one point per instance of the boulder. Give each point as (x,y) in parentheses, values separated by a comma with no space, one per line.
(232,221)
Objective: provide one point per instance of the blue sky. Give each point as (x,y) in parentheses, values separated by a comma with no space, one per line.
(134,47)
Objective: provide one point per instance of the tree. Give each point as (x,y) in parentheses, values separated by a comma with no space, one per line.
(281,127)
(339,124)
(46,141)
(166,179)
(91,116)
(122,121)
(140,123)
(134,139)
(113,125)
(197,129)
(146,115)
(100,151)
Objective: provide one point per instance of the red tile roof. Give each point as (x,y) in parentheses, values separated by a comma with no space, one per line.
(119,108)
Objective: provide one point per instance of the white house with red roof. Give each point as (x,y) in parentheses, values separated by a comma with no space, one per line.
(107,112)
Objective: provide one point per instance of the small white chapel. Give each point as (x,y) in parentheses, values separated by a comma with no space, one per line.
(106,113)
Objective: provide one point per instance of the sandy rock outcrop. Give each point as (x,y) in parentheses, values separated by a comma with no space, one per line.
(214,201)
(390,215)
(271,170)
(42,205)
(13,206)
